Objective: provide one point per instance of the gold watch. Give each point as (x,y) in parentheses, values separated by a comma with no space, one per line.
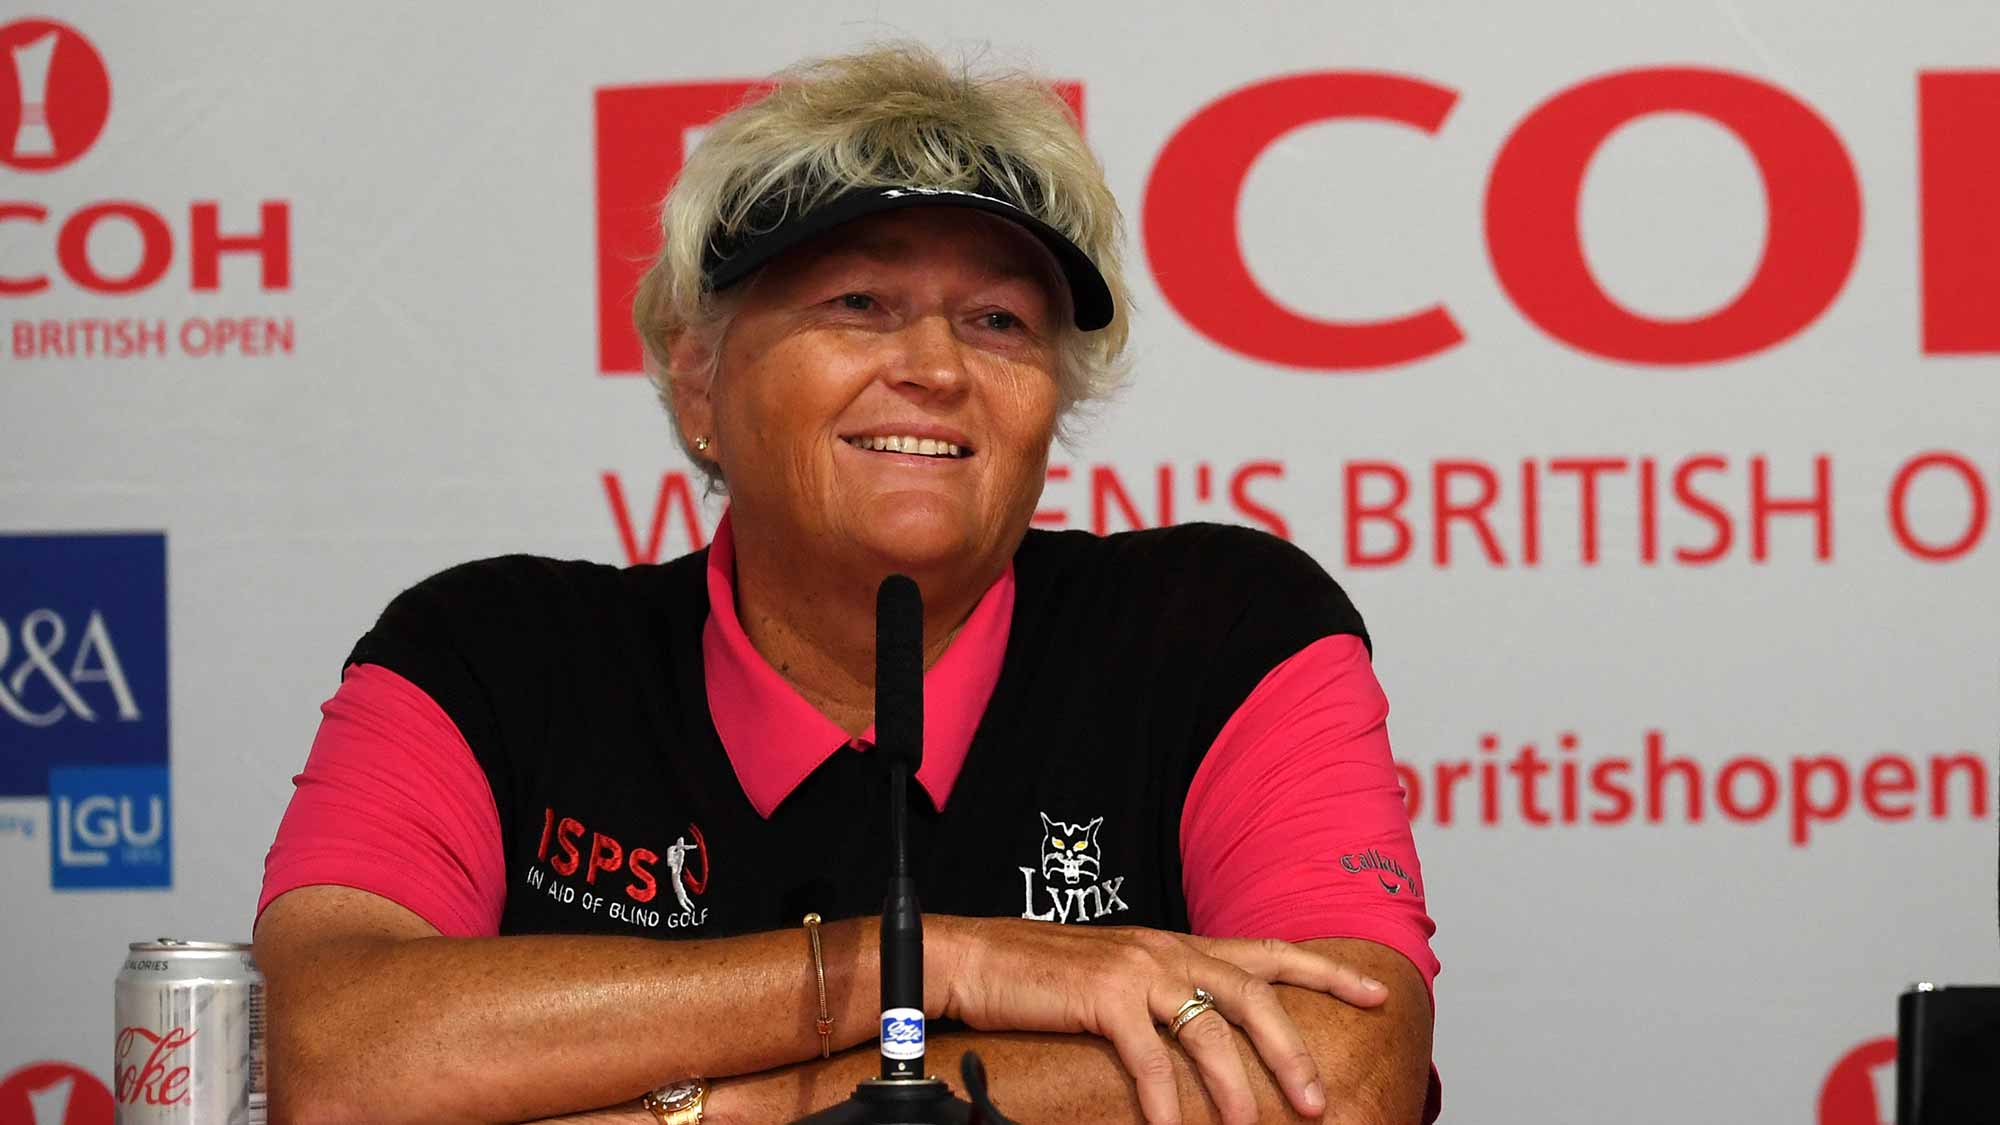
(678,1103)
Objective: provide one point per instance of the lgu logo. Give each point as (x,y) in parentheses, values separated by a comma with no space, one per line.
(83,701)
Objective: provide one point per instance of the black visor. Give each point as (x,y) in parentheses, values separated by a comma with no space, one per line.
(729,261)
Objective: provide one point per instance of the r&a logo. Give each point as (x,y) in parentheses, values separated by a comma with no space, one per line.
(111,827)
(54,99)
(83,655)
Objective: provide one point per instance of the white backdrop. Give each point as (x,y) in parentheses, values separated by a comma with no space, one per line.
(431,392)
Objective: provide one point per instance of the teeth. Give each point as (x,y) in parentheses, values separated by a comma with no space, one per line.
(898,443)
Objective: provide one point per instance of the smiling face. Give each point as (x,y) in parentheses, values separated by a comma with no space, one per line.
(887,394)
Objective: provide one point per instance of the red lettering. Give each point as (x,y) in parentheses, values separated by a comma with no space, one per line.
(1531,529)
(1805,809)
(1587,470)
(1899,518)
(1974,768)
(73,247)
(1527,768)
(1819,506)
(1812,199)
(1649,512)
(1704,507)
(548,826)
(567,834)
(272,244)
(1604,785)
(1958,112)
(1449,774)
(645,886)
(151,1081)
(1445,510)
(1877,784)
(1240,499)
(1658,766)
(674,488)
(605,855)
(22,286)
(1195,246)
(1104,483)
(1725,789)
(1359,513)
(1053,517)
(641,145)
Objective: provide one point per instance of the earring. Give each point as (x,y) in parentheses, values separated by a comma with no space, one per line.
(701,444)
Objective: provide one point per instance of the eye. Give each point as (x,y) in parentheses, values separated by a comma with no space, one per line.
(856,302)
(1082,844)
(1000,321)
(1058,843)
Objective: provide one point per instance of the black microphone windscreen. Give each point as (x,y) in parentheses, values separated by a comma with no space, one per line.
(899,669)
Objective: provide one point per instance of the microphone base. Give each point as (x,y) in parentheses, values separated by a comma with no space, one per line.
(898,1101)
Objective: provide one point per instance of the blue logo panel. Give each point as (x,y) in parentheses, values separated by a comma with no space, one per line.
(83,655)
(108,827)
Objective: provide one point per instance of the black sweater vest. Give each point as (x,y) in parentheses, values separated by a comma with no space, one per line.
(579,688)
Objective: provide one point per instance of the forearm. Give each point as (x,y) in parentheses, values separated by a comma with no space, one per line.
(1041,1077)
(1373,1063)
(508,1029)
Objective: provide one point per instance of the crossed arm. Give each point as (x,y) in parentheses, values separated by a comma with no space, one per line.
(375,1018)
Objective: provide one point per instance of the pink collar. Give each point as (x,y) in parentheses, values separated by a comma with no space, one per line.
(774,738)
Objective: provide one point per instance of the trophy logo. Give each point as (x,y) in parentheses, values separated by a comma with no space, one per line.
(58,98)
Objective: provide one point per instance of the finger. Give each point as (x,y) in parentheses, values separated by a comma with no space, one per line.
(1251,1004)
(1211,1043)
(1281,962)
(1149,1063)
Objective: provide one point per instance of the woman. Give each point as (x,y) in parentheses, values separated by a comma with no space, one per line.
(884,287)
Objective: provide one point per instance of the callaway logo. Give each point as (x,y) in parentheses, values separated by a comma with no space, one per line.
(1388,873)
(1070,856)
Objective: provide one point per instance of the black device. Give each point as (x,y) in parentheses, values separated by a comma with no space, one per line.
(1948,1055)
(904,1094)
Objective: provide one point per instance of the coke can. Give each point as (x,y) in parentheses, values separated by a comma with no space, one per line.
(190,1047)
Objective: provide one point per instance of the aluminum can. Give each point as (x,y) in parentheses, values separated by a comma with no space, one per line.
(190,1046)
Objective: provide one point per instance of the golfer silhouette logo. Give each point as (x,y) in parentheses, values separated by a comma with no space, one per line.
(685,882)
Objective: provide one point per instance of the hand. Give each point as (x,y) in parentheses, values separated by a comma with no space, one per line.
(1120,983)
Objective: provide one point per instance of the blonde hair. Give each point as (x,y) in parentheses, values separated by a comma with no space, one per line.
(891,115)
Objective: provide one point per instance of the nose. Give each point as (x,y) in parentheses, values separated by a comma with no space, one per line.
(931,360)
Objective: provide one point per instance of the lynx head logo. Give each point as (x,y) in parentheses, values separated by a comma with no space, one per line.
(1070,849)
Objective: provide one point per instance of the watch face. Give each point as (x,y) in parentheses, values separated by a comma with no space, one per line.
(679,1095)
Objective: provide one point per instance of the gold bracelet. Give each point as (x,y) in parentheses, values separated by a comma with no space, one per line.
(824,1024)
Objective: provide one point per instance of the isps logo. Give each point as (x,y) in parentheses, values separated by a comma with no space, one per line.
(564,850)
(83,701)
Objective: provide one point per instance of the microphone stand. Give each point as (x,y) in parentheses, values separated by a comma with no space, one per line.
(903,1094)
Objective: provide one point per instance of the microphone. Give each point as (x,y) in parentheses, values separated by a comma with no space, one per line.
(899,738)
(903,1094)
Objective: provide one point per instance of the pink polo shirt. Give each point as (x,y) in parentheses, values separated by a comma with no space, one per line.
(1293,828)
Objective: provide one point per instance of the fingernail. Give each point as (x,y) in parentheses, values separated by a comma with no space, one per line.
(1373,985)
(1315,1097)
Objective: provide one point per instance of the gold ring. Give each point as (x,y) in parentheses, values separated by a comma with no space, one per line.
(1201,1002)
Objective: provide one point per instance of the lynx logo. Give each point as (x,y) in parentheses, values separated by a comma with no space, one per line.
(83,656)
(1069,876)
(110,827)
